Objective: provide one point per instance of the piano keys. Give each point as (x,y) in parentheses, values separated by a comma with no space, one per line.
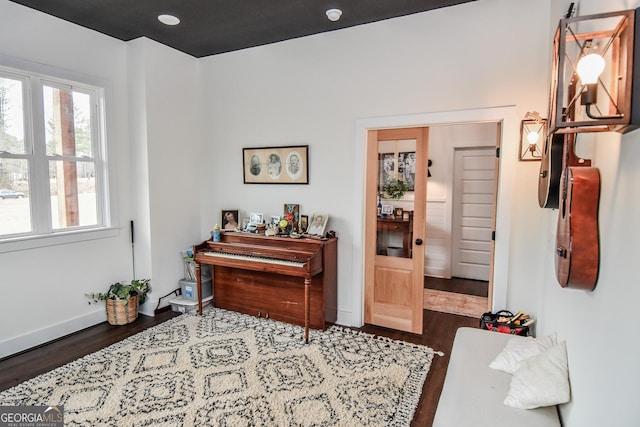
(291,280)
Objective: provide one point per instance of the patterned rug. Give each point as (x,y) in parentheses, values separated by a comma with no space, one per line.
(230,369)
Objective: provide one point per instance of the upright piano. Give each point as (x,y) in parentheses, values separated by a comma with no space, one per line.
(282,278)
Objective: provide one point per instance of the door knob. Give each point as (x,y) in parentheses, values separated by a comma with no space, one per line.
(418,242)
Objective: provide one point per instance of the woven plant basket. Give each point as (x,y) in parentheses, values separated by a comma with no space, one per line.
(118,314)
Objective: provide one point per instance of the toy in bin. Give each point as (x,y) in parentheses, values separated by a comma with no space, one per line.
(506,322)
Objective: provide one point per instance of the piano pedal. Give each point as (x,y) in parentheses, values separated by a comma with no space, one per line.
(267,316)
(259,314)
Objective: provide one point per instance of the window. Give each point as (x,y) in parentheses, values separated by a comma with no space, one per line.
(52,163)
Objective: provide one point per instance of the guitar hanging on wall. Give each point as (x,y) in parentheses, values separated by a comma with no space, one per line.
(550,172)
(555,158)
(577,258)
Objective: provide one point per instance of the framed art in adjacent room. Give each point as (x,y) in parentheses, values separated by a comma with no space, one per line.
(276,165)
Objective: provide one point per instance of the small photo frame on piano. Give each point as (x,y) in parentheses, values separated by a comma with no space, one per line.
(229,220)
(304,223)
(318,224)
(275,219)
(255,218)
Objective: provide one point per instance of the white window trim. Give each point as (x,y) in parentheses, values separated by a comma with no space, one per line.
(107,205)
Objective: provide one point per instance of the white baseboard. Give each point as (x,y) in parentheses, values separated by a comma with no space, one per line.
(32,339)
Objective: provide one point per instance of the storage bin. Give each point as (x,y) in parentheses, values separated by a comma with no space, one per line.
(182,305)
(190,291)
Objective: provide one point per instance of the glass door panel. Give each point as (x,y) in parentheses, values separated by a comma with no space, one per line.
(396,186)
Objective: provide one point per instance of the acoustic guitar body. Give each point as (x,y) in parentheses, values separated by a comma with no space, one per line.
(550,172)
(577,247)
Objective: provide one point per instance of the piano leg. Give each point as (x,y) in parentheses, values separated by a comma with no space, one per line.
(307,290)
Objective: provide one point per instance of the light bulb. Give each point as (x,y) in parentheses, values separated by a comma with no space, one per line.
(590,67)
(532,138)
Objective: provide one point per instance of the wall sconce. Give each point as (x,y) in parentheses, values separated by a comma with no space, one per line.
(533,131)
(593,74)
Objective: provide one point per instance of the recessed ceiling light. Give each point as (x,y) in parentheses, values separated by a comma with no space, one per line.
(168,19)
(334,14)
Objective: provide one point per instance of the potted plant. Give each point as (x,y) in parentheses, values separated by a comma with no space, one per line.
(395,188)
(122,300)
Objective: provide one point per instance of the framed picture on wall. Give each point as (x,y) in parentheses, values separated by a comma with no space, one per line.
(276,165)
(407,168)
(386,168)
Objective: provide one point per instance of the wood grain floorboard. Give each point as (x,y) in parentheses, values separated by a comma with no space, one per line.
(454,303)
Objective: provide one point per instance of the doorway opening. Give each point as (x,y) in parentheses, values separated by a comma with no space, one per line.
(506,125)
(458,196)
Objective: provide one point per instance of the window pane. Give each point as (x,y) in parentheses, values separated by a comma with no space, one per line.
(73,194)
(67,120)
(15,209)
(11,116)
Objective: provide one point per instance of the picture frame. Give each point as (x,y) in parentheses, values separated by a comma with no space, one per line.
(397,212)
(229,219)
(291,212)
(304,223)
(255,218)
(401,165)
(276,165)
(275,219)
(407,168)
(245,222)
(318,224)
(387,210)
(386,168)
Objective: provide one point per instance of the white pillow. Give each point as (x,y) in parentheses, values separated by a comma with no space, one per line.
(518,349)
(542,380)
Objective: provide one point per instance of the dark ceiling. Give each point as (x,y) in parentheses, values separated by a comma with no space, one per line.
(210,27)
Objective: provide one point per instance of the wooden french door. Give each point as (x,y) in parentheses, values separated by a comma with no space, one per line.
(394,243)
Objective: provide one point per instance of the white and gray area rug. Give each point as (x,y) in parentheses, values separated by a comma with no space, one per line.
(230,369)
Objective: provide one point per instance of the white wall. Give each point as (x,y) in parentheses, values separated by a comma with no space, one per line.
(165,130)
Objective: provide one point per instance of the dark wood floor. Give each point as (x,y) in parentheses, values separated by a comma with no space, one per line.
(478,288)
(439,330)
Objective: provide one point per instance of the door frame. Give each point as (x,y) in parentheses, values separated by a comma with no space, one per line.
(508,124)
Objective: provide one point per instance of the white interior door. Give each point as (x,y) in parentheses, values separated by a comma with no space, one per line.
(473,199)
